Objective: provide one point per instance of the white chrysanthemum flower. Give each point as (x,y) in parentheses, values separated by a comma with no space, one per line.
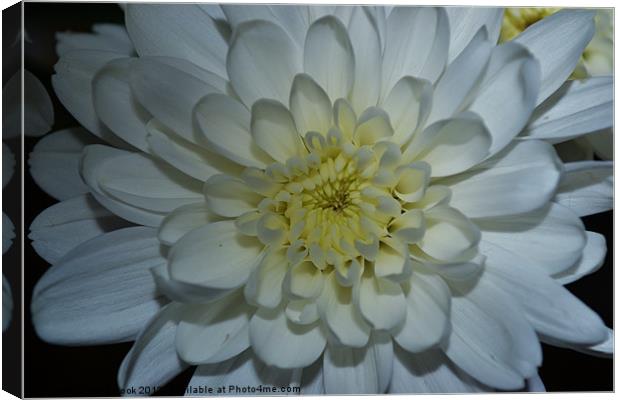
(329,197)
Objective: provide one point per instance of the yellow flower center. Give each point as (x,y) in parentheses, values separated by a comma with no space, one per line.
(516,20)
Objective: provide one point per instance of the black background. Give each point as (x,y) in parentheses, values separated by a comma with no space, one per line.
(53,371)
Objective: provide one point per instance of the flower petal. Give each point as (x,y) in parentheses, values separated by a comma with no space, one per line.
(229,197)
(214,332)
(416,44)
(591,260)
(224,125)
(107,37)
(449,235)
(215,256)
(576,108)
(361,371)
(465,22)
(184,220)
(428,300)
(152,360)
(264,287)
(100,292)
(546,40)
(310,106)
(262,62)
(375,295)
(184,31)
(274,131)
(520,179)
(54,162)
(282,343)
(507,94)
(65,225)
(587,187)
(327,39)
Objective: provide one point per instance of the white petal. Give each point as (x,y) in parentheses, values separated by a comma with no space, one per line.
(305,280)
(576,108)
(449,235)
(535,384)
(170,91)
(327,39)
(490,338)
(152,360)
(408,105)
(551,238)
(507,95)
(54,162)
(462,76)
(366,43)
(337,309)
(116,107)
(8,165)
(282,343)
(310,106)
(38,109)
(65,225)
(73,86)
(429,372)
(360,371)
(453,145)
(183,292)
(521,178)
(262,62)
(375,295)
(229,197)
(224,125)
(416,44)
(137,180)
(274,131)
(373,126)
(183,220)
(465,22)
(215,256)
(428,309)
(244,371)
(7,304)
(100,292)
(552,310)
(264,287)
(546,40)
(8,233)
(110,37)
(194,160)
(312,379)
(214,332)
(591,260)
(185,31)
(587,187)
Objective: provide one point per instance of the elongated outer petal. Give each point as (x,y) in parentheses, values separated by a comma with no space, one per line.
(183,31)
(63,226)
(170,90)
(100,292)
(546,40)
(591,260)
(244,370)
(262,62)
(140,183)
(429,372)
(54,162)
(36,105)
(153,360)
(587,187)
(214,332)
(512,70)
(215,256)
(551,309)
(416,44)
(461,77)
(327,39)
(466,21)
(283,344)
(310,106)
(604,348)
(273,130)
(428,300)
(363,371)
(490,338)
(366,43)
(224,127)
(576,108)
(551,239)
(116,107)
(184,220)
(73,86)
(521,178)
(110,37)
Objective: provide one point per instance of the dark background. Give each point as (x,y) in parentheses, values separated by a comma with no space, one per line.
(54,371)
